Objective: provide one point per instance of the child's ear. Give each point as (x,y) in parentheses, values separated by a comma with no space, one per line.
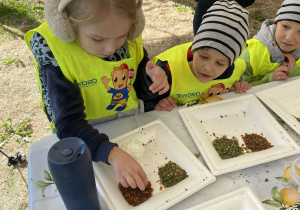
(58,19)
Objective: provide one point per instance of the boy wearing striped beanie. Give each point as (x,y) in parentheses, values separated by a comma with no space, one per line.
(209,65)
(273,54)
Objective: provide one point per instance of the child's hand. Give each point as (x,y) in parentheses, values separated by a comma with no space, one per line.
(166,104)
(127,169)
(281,73)
(159,79)
(240,87)
(290,63)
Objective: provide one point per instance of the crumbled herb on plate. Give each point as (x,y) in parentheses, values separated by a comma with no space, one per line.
(227,148)
(256,142)
(135,197)
(297,118)
(171,174)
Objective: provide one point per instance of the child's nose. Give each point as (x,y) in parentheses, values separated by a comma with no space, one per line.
(289,36)
(110,47)
(208,67)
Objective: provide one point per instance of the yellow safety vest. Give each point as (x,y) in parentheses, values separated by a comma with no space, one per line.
(88,71)
(185,86)
(260,59)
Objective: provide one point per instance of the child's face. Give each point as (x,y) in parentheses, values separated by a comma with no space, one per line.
(287,36)
(209,64)
(104,37)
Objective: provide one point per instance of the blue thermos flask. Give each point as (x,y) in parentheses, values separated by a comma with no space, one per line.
(70,165)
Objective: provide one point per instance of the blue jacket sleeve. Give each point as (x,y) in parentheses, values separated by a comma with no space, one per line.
(68,107)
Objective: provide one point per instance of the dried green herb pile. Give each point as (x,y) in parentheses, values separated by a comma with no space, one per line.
(227,148)
(256,142)
(170,174)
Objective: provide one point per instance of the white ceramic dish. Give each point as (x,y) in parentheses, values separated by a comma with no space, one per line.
(233,118)
(161,145)
(241,199)
(284,100)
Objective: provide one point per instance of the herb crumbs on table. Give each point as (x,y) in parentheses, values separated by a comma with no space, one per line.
(227,148)
(297,118)
(197,155)
(170,174)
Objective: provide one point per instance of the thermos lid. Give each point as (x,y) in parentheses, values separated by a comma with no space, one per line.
(68,157)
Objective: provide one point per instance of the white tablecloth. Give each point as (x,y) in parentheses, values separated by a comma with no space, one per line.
(260,178)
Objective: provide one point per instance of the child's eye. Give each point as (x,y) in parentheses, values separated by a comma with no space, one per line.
(220,64)
(96,40)
(285,26)
(125,35)
(203,57)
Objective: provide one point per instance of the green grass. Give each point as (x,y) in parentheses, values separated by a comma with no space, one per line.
(258,15)
(185,8)
(11,186)
(19,16)
(21,132)
(20,9)
(14,61)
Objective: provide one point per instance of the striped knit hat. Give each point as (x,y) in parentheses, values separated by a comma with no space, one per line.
(225,27)
(289,10)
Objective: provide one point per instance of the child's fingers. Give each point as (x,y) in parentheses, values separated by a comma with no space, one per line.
(160,85)
(150,70)
(123,182)
(157,73)
(165,88)
(283,69)
(289,57)
(245,86)
(164,105)
(171,101)
(280,76)
(291,60)
(248,86)
(144,178)
(138,182)
(131,181)
(237,86)
(158,77)
(159,108)
(155,87)
(232,88)
(240,87)
(284,63)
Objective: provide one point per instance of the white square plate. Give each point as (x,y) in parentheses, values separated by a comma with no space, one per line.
(165,146)
(284,100)
(241,199)
(233,118)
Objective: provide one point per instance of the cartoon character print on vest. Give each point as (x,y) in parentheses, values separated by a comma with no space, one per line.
(119,76)
(215,90)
